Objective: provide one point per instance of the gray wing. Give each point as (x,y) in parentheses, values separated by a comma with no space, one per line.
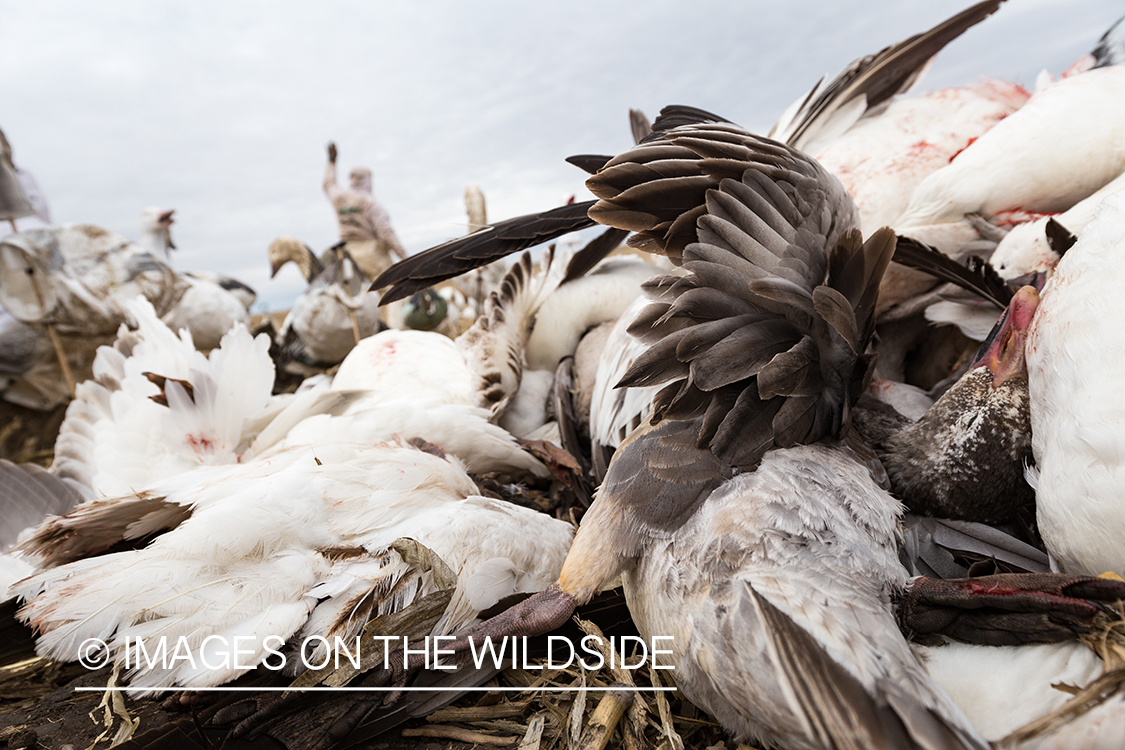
(763,341)
(28,494)
(943,548)
(660,477)
(838,710)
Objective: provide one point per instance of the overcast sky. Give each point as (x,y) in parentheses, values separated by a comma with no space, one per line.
(221,110)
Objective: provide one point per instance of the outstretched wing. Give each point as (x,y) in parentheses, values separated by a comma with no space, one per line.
(483,246)
(832,107)
(763,341)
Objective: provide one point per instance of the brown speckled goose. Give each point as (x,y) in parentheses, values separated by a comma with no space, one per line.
(965,457)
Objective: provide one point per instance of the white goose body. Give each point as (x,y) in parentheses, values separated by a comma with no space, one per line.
(883,158)
(461,430)
(1025,248)
(407,364)
(270,542)
(1075,355)
(579,305)
(116,440)
(1003,688)
(1060,147)
(485,367)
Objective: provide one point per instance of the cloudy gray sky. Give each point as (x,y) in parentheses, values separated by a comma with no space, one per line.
(221,110)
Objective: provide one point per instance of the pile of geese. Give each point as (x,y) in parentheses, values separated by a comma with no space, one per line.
(736,404)
(71,284)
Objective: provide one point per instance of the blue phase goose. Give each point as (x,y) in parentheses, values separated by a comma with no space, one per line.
(741,519)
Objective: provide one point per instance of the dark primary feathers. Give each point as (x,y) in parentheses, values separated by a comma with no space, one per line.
(589,163)
(877,77)
(483,246)
(764,339)
(977,277)
(639,125)
(595,251)
(1111,47)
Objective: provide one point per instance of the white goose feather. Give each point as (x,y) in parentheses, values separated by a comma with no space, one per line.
(1075,351)
(266,573)
(1057,149)
(116,440)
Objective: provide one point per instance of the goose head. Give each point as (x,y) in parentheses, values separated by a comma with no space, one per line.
(290,249)
(965,457)
(156,231)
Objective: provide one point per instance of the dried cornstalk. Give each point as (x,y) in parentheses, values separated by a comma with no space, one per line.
(604,719)
(460,735)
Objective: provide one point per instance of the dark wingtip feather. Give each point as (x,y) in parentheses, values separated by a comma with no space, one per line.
(480,248)
(1059,238)
(589,163)
(593,253)
(978,277)
(677,115)
(639,125)
(883,75)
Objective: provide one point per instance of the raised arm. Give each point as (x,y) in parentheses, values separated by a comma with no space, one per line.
(331,188)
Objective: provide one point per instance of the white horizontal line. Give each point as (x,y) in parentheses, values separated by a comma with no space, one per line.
(375,689)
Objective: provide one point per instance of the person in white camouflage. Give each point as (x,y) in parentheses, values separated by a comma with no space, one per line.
(364,224)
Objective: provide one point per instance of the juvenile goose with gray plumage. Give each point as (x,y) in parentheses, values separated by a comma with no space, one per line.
(741,520)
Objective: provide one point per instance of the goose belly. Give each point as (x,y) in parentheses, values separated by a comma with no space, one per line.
(1075,355)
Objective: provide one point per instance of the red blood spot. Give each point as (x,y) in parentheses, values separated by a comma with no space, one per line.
(971,142)
(1014,216)
(976,588)
(199,444)
(917,149)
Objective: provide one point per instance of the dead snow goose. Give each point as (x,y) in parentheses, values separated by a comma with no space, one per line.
(1074,360)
